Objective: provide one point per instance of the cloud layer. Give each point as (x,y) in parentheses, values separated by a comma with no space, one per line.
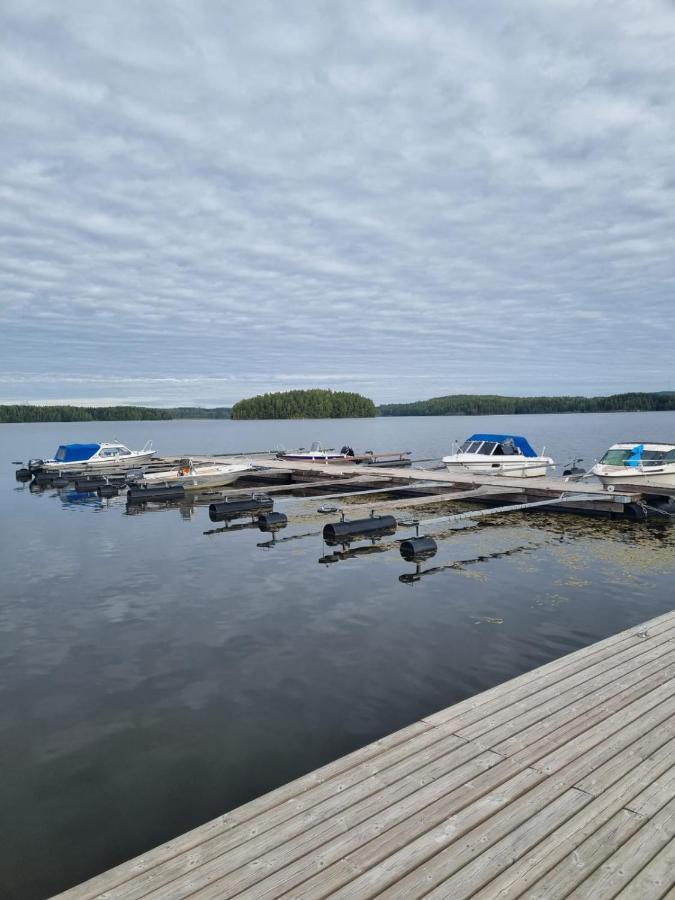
(200,201)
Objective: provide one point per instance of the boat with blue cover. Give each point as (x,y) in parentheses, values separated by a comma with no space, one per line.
(105,454)
(498,454)
(631,463)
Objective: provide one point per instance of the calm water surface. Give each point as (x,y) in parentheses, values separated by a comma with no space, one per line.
(154,677)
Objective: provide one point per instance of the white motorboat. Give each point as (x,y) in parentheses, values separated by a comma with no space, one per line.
(193,476)
(103,455)
(498,454)
(317,453)
(632,463)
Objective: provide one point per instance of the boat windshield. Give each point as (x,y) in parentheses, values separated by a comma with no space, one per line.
(471,447)
(631,458)
(485,448)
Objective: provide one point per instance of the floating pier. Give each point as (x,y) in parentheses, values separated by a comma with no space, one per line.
(558,783)
(584,497)
(423,486)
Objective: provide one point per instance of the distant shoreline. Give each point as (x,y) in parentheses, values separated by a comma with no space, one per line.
(451,405)
(14,414)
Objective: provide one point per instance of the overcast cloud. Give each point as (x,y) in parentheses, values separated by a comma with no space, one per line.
(204,200)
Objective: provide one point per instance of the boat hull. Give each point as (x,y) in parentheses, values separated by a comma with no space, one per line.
(610,475)
(315,457)
(520,468)
(196,481)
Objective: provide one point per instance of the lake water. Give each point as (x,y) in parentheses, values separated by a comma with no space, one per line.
(154,677)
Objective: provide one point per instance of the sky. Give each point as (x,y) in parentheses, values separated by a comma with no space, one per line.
(201,201)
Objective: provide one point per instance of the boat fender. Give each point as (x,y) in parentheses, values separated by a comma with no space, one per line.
(423,547)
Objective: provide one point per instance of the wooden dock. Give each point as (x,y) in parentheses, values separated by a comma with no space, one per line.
(559,783)
(590,498)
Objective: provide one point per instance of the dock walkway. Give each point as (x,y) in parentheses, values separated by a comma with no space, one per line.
(558,783)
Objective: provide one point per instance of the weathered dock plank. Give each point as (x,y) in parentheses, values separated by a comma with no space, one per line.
(560,782)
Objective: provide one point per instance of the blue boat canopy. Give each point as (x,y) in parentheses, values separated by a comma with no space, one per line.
(520,442)
(76,452)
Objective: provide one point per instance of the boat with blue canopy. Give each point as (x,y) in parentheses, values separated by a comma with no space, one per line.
(631,462)
(104,454)
(498,454)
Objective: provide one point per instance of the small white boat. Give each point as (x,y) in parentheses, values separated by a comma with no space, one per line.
(632,463)
(194,477)
(317,453)
(498,454)
(94,456)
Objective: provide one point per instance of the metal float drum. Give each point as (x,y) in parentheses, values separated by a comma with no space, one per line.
(235,509)
(374,526)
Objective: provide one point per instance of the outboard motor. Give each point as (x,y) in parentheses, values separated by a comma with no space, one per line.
(347,450)
(572,470)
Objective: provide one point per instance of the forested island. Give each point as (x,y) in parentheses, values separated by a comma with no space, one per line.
(312,404)
(30,413)
(495,405)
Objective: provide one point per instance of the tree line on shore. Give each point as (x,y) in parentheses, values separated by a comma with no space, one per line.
(493,404)
(325,404)
(311,404)
(33,413)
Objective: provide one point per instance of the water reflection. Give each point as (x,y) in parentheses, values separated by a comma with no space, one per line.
(458,564)
(275,541)
(349,552)
(213,671)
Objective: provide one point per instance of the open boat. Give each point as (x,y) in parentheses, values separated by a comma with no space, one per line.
(94,456)
(317,453)
(194,477)
(632,463)
(498,454)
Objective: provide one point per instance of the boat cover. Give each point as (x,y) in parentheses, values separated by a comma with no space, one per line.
(517,439)
(76,452)
(635,457)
